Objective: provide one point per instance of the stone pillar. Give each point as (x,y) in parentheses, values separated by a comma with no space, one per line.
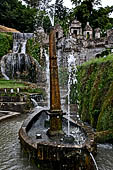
(55,105)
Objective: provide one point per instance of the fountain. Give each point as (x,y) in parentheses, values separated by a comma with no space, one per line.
(54,143)
(64,142)
(17,64)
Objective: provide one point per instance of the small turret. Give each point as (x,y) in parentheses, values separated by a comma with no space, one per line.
(97,33)
(88,31)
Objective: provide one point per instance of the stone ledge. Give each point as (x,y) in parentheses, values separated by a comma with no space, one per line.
(9,115)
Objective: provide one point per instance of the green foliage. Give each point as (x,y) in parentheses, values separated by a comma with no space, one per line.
(95,92)
(99,18)
(6,41)
(63,76)
(105,120)
(33,48)
(15,15)
(36,90)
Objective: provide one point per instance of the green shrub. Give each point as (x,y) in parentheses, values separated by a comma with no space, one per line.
(6,41)
(33,49)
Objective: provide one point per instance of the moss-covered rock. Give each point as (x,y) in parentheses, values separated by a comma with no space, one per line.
(95,93)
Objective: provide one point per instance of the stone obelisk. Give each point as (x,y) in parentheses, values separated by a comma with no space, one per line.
(55,105)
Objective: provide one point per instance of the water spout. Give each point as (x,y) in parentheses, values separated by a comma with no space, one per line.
(34,102)
(94,160)
(50,12)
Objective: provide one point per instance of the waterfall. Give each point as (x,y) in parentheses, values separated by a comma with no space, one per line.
(13,64)
(20,41)
(23,48)
(94,160)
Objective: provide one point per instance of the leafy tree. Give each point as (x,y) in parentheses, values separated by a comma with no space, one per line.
(89,3)
(100,18)
(46,10)
(85,11)
(14,14)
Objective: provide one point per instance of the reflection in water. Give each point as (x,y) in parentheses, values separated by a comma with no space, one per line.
(12,157)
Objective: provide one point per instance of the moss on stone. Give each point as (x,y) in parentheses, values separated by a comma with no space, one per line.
(33,49)
(95,93)
(105,119)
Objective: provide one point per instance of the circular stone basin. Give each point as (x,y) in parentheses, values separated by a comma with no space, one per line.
(58,148)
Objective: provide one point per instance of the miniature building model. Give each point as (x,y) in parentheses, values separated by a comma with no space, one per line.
(110,36)
(97,33)
(88,32)
(75,29)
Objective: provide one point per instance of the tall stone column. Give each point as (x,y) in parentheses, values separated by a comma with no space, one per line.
(55,105)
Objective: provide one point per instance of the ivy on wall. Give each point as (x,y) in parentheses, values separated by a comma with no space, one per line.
(95,92)
(6,42)
(33,49)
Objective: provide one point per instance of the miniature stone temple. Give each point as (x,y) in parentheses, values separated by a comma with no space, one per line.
(75,29)
(88,31)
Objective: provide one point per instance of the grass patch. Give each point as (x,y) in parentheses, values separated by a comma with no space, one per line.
(24,86)
(11,84)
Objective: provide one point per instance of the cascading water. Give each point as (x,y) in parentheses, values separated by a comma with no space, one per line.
(20,41)
(14,64)
(23,48)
